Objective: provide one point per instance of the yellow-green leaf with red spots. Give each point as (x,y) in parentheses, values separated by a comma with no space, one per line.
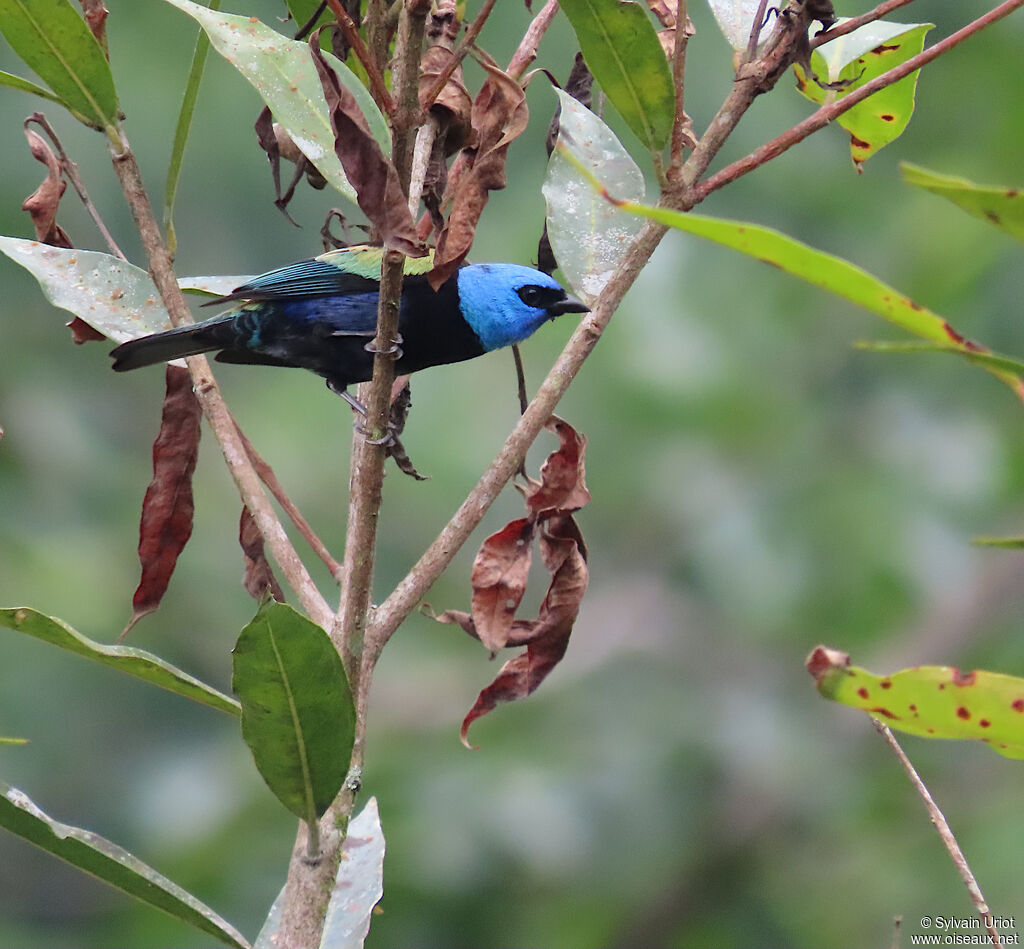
(930,701)
(1003,207)
(855,59)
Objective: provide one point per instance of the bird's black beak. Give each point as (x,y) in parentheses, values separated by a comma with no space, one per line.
(569,305)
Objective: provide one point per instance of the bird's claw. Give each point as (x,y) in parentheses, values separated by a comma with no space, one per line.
(394,349)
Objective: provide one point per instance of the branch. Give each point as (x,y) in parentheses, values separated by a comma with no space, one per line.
(682,127)
(208,393)
(310,882)
(828,113)
(856,22)
(945,834)
(526,52)
(355,41)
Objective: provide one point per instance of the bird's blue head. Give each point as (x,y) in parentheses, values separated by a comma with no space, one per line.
(505,303)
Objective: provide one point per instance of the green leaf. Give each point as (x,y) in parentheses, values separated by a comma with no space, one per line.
(1008,543)
(856,59)
(56,43)
(622,50)
(930,701)
(188,108)
(988,360)
(16,82)
(112,296)
(1003,207)
(282,72)
(297,712)
(136,662)
(815,267)
(110,863)
(13,741)
(588,234)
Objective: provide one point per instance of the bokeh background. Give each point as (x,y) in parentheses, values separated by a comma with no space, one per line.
(759,487)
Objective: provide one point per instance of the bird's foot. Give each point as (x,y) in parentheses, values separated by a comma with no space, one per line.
(395,349)
(393,446)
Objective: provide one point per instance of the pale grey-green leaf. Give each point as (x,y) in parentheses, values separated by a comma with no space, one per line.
(281,70)
(588,234)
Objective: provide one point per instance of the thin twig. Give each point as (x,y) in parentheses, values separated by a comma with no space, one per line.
(526,52)
(275,487)
(945,834)
(465,45)
(71,170)
(856,22)
(378,86)
(829,113)
(303,31)
(755,31)
(681,124)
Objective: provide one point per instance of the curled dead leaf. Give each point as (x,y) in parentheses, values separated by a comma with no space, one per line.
(43,203)
(259,578)
(547,637)
(562,485)
(167,508)
(369,171)
(500,572)
(499,116)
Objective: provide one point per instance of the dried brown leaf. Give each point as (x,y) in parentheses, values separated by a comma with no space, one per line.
(547,637)
(43,203)
(82,332)
(259,577)
(667,11)
(500,573)
(562,485)
(499,116)
(401,403)
(369,171)
(166,522)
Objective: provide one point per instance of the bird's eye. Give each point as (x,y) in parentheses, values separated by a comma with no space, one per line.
(530,295)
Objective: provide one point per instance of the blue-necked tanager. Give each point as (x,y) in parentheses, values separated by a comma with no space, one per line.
(320,314)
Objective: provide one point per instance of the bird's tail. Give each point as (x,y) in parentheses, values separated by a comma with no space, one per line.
(171,344)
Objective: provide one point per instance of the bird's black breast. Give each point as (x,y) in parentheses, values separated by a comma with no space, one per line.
(433,330)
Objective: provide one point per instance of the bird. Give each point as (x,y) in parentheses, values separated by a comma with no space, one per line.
(321,315)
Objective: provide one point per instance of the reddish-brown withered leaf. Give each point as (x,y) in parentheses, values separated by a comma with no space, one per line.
(499,116)
(42,204)
(565,553)
(258,578)
(500,572)
(166,523)
(368,169)
(562,485)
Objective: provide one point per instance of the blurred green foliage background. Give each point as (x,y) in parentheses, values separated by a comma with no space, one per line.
(759,487)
